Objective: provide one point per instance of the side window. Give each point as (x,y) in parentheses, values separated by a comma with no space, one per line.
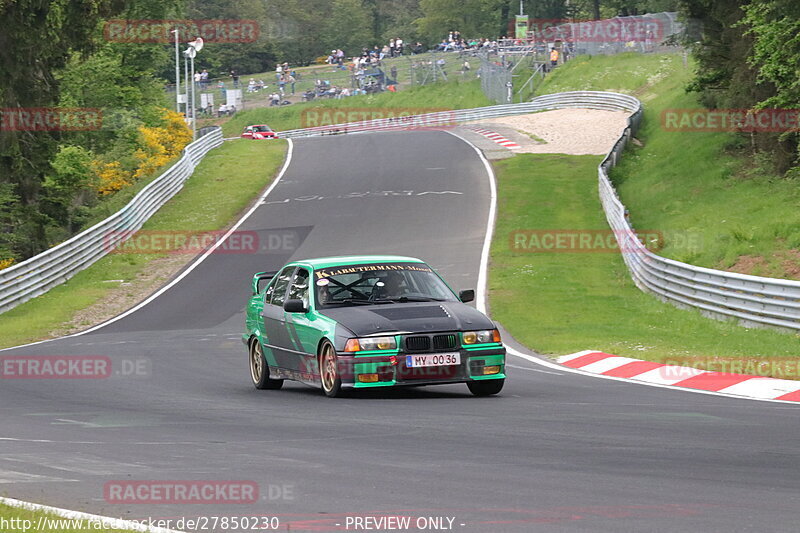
(279,287)
(270,289)
(299,287)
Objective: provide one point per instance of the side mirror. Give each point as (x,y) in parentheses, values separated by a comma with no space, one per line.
(294,306)
(467,295)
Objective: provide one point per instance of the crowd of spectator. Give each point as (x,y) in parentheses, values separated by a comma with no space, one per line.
(324,89)
(366,73)
(456,43)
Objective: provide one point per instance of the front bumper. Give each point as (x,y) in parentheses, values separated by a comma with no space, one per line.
(392,370)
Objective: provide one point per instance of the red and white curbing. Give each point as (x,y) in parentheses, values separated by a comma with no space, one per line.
(683,376)
(496,137)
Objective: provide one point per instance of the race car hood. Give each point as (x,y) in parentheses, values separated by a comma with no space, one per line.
(417,317)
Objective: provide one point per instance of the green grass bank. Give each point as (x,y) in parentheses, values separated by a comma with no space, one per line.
(419,99)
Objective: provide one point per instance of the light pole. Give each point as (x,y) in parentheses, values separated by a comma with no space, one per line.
(194,47)
(194,89)
(177,73)
(188,85)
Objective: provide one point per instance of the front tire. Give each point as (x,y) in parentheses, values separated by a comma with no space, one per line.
(259,370)
(486,387)
(329,371)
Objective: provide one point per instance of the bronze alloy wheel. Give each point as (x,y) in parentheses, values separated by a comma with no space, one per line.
(329,372)
(259,371)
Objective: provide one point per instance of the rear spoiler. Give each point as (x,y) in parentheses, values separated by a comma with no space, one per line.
(262,277)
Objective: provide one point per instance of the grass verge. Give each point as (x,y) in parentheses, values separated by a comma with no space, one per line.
(420,99)
(224,183)
(560,303)
(16,520)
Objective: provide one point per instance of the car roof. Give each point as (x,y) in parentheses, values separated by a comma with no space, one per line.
(325,262)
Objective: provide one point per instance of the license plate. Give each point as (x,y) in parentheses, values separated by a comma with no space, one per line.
(433,359)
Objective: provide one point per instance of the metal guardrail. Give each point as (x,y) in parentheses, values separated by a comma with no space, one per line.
(577,99)
(52,267)
(753,300)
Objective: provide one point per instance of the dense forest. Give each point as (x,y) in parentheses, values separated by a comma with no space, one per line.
(55,55)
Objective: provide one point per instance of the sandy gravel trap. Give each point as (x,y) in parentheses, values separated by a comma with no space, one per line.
(566,131)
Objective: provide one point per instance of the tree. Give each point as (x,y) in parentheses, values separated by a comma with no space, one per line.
(350,27)
(296,31)
(473,18)
(67,185)
(775,28)
(218,57)
(37,40)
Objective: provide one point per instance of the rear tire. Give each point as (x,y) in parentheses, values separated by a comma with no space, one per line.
(329,371)
(259,370)
(486,387)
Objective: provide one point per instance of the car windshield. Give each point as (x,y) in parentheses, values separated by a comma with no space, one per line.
(262,128)
(379,283)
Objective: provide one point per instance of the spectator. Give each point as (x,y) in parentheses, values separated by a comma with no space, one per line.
(235,78)
(553,57)
(276,99)
(292,80)
(251,86)
(223,110)
(393,72)
(221,87)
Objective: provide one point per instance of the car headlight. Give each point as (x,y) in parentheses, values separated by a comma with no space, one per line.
(480,337)
(371,343)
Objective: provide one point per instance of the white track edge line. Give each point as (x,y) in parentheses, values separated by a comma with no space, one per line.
(108,522)
(481,304)
(186,271)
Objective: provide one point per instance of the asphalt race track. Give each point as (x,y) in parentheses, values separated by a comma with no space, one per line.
(554,452)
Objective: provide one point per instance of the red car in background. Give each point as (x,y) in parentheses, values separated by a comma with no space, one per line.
(259,131)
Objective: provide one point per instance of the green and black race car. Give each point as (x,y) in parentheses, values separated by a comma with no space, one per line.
(368,321)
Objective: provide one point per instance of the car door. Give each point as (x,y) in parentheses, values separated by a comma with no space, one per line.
(276,336)
(301,327)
